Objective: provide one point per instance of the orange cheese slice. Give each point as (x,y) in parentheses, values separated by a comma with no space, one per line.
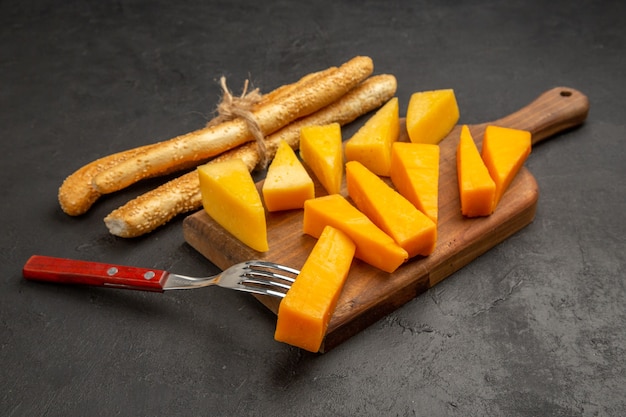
(373,246)
(231,198)
(431,115)
(304,313)
(371,144)
(389,210)
(321,149)
(504,152)
(476,188)
(287,184)
(415,174)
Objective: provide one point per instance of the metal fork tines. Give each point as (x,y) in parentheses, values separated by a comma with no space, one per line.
(267,278)
(257,277)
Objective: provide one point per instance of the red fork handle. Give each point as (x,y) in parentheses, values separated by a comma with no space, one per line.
(70,271)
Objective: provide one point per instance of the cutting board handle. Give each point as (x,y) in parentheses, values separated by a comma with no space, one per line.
(554,111)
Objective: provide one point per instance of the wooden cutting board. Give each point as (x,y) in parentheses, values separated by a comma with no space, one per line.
(370,294)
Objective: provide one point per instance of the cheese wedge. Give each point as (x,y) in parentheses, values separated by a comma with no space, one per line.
(373,246)
(476,188)
(321,149)
(371,144)
(411,229)
(415,174)
(287,184)
(504,152)
(304,313)
(231,198)
(431,115)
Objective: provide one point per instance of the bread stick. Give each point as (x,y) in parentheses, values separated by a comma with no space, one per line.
(77,194)
(211,141)
(284,90)
(155,208)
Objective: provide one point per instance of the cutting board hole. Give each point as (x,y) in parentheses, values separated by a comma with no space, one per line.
(566,93)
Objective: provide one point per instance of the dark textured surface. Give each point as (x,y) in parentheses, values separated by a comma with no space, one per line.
(535,327)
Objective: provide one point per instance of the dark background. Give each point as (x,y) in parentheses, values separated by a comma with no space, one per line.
(535,327)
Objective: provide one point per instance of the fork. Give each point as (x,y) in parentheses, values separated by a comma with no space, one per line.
(254,276)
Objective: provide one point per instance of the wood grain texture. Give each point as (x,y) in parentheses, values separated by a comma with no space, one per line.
(370,294)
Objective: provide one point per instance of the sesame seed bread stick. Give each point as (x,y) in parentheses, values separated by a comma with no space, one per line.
(77,194)
(210,141)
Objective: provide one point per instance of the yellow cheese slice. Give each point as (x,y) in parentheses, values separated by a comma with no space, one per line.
(411,229)
(504,152)
(415,174)
(373,246)
(476,188)
(371,144)
(231,198)
(287,184)
(321,149)
(304,313)
(431,115)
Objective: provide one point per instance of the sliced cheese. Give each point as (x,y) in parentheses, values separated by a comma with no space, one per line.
(415,174)
(287,184)
(371,144)
(431,115)
(373,246)
(304,313)
(476,188)
(321,149)
(231,198)
(395,215)
(504,152)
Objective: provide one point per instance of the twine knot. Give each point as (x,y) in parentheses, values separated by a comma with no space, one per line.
(232,107)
